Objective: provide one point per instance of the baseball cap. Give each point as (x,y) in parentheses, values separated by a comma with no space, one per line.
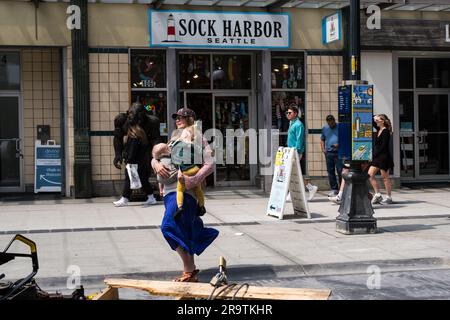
(184,112)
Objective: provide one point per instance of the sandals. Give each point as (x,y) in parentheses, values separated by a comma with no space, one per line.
(188,276)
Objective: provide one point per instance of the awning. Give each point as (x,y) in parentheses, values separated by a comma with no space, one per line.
(399,5)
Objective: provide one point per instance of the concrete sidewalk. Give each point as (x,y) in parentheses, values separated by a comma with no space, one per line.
(414,233)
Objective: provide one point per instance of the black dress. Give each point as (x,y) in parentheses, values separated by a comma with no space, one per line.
(381,156)
(138,153)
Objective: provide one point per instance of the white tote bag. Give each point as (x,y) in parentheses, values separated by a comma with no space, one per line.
(135,182)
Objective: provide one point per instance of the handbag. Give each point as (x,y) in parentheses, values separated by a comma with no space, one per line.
(135,181)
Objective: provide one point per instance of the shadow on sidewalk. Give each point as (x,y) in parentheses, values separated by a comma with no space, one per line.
(299,217)
(406,228)
(315,200)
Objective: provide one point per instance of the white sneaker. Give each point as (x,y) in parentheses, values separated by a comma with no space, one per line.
(121,202)
(335,199)
(377,198)
(288,198)
(332,193)
(388,200)
(312,192)
(150,201)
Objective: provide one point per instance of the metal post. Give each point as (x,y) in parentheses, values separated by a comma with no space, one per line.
(81,112)
(172,88)
(355,40)
(355,212)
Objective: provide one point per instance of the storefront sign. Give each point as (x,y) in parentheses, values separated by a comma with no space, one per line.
(47,168)
(331,28)
(173,28)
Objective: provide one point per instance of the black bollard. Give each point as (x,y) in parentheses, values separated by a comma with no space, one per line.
(355,211)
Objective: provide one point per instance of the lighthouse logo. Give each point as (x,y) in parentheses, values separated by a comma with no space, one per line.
(171,30)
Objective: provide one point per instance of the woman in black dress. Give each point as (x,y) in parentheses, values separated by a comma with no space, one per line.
(381,158)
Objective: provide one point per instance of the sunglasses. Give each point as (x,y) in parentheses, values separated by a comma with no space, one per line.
(289,112)
(180,118)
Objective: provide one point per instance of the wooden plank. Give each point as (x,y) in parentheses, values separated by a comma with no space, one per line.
(109,293)
(203,290)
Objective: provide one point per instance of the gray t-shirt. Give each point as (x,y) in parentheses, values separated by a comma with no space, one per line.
(170,184)
(173,172)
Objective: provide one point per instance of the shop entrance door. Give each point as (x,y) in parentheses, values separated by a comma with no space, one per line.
(232,111)
(201,104)
(225,111)
(10,144)
(432,136)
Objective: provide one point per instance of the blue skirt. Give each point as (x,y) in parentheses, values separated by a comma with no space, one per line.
(188,231)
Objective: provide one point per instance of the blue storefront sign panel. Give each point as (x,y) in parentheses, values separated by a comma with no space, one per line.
(47,168)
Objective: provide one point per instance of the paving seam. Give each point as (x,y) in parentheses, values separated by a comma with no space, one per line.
(217,224)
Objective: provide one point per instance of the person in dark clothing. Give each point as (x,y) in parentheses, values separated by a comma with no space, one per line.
(135,134)
(381,158)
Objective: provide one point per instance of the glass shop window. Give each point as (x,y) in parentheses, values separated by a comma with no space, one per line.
(195,71)
(148,69)
(155,102)
(432,73)
(9,71)
(281,100)
(232,71)
(288,70)
(406,73)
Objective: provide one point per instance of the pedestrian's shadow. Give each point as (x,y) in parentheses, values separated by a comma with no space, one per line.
(398,204)
(241,273)
(317,200)
(405,228)
(302,216)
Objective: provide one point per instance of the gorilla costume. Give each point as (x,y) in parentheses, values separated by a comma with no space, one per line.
(136,115)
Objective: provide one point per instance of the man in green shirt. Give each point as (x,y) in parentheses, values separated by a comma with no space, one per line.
(296,139)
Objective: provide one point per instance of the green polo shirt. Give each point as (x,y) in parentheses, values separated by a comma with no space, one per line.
(296,136)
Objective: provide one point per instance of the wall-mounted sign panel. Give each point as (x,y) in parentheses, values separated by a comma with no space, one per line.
(331,28)
(174,28)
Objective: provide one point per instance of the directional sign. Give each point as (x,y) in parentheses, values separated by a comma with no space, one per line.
(47,168)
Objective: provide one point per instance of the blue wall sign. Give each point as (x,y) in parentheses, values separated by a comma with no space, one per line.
(331,28)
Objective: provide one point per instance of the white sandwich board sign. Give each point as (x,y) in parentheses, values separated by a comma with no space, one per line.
(287,178)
